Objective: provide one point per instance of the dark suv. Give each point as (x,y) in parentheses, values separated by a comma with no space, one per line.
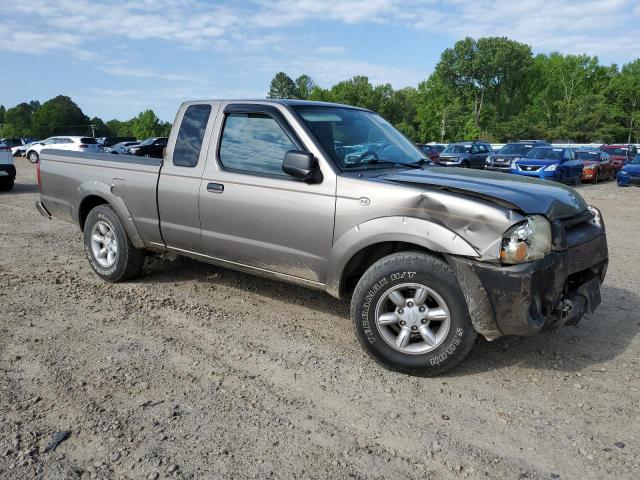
(151,147)
(464,154)
(500,161)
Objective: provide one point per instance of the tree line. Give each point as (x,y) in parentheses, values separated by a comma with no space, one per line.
(492,88)
(61,116)
(496,89)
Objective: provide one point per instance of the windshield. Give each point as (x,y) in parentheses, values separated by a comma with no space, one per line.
(357,138)
(546,153)
(636,160)
(622,152)
(148,141)
(588,156)
(515,149)
(457,149)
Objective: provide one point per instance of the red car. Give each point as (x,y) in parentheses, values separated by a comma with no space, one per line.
(620,154)
(597,165)
(431,150)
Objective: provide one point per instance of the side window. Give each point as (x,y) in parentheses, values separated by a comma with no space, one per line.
(190,135)
(475,149)
(254,143)
(50,141)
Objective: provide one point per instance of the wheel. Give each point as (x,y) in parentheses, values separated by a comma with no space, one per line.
(108,248)
(579,180)
(410,315)
(597,177)
(6,183)
(33,157)
(465,165)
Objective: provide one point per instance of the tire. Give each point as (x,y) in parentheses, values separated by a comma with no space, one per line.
(126,262)
(465,165)
(452,334)
(596,178)
(579,181)
(33,157)
(6,183)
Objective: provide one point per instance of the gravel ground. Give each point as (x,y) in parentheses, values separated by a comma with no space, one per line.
(193,371)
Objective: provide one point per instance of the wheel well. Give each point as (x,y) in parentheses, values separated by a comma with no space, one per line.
(88,204)
(361,261)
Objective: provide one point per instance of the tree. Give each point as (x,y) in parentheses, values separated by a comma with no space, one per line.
(60,115)
(282,87)
(624,96)
(100,129)
(18,121)
(147,124)
(304,86)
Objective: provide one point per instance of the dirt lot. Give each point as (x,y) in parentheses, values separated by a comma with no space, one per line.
(193,371)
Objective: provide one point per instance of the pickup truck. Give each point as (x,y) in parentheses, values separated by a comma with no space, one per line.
(332,197)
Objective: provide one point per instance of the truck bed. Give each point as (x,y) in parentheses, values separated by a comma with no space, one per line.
(71,181)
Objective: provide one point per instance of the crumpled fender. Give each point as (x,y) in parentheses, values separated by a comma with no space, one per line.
(103,190)
(414,230)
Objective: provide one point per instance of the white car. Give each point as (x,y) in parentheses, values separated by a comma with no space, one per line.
(74,144)
(7,168)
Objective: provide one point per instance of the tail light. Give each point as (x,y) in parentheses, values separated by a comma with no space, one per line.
(4,148)
(38,176)
(82,145)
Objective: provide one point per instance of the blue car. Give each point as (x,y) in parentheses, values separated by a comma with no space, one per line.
(630,173)
(550,163)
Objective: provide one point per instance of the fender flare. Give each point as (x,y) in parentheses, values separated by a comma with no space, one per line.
(425,233)
(103,190)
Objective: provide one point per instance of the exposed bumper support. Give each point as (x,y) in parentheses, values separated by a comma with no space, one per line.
(528,298)
(43,210)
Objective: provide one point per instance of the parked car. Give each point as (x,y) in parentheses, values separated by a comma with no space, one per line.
(7,168)
(22,151)
(465,155)
(119,148)
(550,163)
(431,150)
(500,161)
(630,173)
(106,142)
(74,144)
(16,144)
(151,147)
(596,165)
(620,154)
(429,256)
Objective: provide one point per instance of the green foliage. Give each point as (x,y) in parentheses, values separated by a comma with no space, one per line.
(304,86)
(56,116)
(282,87)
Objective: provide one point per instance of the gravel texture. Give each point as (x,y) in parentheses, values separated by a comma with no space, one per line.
(193,371)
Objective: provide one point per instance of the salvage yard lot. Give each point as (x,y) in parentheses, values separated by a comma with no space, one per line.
(193,371)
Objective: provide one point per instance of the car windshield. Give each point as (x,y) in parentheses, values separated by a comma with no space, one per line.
(12,142)
(358,138)
(515,149)
(616,151)
(588,156)
(148,141)
(457,149)
(546,153)
(636,160)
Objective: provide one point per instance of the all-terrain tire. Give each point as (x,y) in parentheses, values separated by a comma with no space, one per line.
(411,268)
(128,260)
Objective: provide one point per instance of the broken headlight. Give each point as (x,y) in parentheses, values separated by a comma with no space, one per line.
(526,241)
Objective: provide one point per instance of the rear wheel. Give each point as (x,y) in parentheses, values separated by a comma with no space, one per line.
(33,157)
(465,164)
(410,315)
(597,177)
(108,248)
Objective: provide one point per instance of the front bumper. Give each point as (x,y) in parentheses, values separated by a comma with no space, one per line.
(531,297)
(505,168)
(542,174)
(625,179)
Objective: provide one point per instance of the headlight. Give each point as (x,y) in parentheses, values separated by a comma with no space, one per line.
(551,168)
(526,241)
(488,160)
(590,167)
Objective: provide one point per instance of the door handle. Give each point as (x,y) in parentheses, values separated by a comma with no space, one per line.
(215,187)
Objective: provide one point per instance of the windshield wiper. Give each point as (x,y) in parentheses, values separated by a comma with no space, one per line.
(383,162)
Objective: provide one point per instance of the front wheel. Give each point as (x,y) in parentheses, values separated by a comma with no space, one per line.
(33,157)
(108,248)
(410,315)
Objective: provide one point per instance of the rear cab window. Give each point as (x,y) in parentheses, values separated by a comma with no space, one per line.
(88,141)
(190,135)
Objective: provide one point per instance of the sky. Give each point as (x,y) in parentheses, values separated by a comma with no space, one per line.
(116,58)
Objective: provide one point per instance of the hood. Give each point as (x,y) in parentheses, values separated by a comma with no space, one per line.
(631,168)
(537,161)
(588,163)
(528,195)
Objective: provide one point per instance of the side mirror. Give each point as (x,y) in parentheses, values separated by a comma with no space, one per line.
(300,165)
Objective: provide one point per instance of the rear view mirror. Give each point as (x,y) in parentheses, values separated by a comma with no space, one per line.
(300,165)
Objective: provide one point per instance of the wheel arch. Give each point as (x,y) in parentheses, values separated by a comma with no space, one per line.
(93,194)
(360,247)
